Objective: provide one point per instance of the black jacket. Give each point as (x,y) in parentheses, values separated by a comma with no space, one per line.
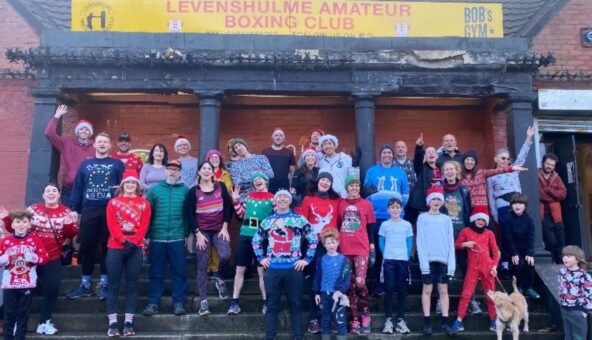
(424,173)
(518,235)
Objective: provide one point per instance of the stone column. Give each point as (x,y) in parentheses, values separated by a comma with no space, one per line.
(519,119)
(209,121)
(365,107)
(44,160)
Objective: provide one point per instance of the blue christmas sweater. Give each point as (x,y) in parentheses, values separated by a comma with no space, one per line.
(389,183)
(284,234)
(95,183)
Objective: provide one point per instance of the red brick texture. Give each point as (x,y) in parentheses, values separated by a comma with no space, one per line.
(562,37)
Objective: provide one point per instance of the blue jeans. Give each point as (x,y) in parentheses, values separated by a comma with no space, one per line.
(327,315)
(163,254)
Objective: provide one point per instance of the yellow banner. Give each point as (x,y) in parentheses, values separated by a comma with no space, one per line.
(337,18)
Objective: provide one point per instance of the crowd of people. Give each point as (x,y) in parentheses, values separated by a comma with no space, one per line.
(309,221)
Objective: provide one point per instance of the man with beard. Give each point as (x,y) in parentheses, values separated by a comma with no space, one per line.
(124,145)
(338,164)
(405,163)
(552,192)
(73,150)
(449,150)
(167,233)
(93,188)
(282,161)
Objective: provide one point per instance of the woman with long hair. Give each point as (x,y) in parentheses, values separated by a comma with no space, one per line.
(153,171)
(128,217)
(307,172)
(52,223)
(208,212)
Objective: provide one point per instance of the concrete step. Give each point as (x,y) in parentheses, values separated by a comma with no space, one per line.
(481,335)
(251,286)
(248,303)
(245,322)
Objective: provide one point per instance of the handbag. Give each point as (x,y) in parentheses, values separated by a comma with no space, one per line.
(67,250)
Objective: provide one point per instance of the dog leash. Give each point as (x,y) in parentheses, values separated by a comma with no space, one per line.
(500,283)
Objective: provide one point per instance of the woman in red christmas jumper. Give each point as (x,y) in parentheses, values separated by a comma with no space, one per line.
(482,260)
(319,207)
(476,179)
(128,216)
(52,223)
(357,244)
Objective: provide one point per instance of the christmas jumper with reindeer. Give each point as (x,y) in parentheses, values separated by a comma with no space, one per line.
(320,212)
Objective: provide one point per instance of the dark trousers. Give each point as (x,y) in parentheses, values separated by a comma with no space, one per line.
(328,315)
(290,281)
(378,286)
(314,310)
(524,273)
(93,232)
(117,265)
(163,254)
(65,195)
(553,237)
(397,278)
(17,306)
(50,277)
(502,221)
(575,323)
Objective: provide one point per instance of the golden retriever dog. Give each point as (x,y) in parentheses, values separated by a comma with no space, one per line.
(510,309)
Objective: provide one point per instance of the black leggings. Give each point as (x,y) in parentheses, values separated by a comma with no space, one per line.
(50,277)
(87,253)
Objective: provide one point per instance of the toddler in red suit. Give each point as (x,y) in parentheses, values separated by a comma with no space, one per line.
(482,259)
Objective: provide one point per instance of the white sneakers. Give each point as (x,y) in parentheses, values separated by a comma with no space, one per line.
(46,328)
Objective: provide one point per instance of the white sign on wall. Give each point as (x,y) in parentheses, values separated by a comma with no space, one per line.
(574,100)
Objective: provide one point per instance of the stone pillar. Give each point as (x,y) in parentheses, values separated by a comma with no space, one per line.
(365,107)
(519,119)
(44,160)
(209,121)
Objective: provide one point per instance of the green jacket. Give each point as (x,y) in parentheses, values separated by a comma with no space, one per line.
(167,222)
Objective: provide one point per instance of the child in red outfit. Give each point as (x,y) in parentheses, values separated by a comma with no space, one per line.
(19,256)
(482,260)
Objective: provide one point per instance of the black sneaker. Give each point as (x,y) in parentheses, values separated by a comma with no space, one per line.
(113,330)
(446,329)
(427,328)
(150,310)
(128,329)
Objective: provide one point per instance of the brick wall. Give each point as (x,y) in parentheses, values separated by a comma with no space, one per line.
(16,110)
(562,37)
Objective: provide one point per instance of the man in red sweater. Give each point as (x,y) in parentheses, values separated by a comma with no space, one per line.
(552,191)
(73,150)
(124,146)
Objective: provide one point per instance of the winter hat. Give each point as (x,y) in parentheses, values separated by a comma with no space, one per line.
(327,137)
(259,174)
(480,212)
(472,154)
(174,162)
(239,140)
(83,124)
(278,130)
(305,153)
(435,194)
(350,179)
(282,192)
(212,152)
(130,175)
(386,146)
(182,140)
(326,175)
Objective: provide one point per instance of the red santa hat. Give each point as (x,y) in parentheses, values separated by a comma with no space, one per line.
(83,124)
(130,175)
(479,212)
(278,130)
(435,194)
(182,140)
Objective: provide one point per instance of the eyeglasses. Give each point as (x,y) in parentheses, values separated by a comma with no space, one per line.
(505,158)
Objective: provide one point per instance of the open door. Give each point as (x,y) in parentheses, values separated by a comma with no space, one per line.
(565,150)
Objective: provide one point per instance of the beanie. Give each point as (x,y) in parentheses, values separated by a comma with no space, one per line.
(472,154)
(83,124)
(326,175)
(182,140)
(350,179)
(259,174)
(305,153)
(386,146)
(327,137)
(282,192)
(479,212)
(212,152)
(130,175)
(239,140)
(435,194)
